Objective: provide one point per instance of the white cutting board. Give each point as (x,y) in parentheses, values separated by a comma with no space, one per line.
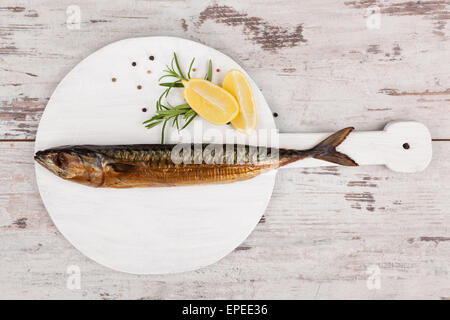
(167,230)
(146,230)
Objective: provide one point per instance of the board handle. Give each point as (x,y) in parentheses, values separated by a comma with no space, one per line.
(403,146)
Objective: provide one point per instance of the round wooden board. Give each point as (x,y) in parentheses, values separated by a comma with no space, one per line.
(146,230)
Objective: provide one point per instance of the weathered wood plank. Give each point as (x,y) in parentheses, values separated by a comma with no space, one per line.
(318,64)
(322,230)
(321,68)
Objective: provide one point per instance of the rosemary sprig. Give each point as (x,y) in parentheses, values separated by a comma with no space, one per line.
(165,113)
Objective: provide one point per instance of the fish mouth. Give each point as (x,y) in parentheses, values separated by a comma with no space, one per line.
(44,158)
(38,157)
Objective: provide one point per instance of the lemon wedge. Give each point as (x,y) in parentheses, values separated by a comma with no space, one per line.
(237,84)
(210,101)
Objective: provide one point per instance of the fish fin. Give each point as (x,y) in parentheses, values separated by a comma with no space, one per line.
(326,150)
(122,167)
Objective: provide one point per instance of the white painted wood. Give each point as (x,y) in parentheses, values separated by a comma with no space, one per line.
(165,236)
(344,74)
(373,147)
(322,230)
(324,226)
(143,230)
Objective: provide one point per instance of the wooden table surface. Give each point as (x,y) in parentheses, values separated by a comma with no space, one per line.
(363,232)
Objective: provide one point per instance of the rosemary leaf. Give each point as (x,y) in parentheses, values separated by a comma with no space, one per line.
(172,84)
(190,68)
(171,112)
(182,106)
(176,121)
(167,76)
(209,74)
(178,66)
(162,131)
(154,124)
(189,121)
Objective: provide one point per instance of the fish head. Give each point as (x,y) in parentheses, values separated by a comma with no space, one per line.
(74,165)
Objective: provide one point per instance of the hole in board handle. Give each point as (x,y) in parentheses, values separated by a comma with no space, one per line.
(406,146)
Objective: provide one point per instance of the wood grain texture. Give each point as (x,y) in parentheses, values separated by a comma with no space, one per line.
(310,59)
(323,228)
(321,69)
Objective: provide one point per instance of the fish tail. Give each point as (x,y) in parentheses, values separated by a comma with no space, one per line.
(326,150)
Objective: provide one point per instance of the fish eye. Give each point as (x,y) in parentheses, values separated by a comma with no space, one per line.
(60,160)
